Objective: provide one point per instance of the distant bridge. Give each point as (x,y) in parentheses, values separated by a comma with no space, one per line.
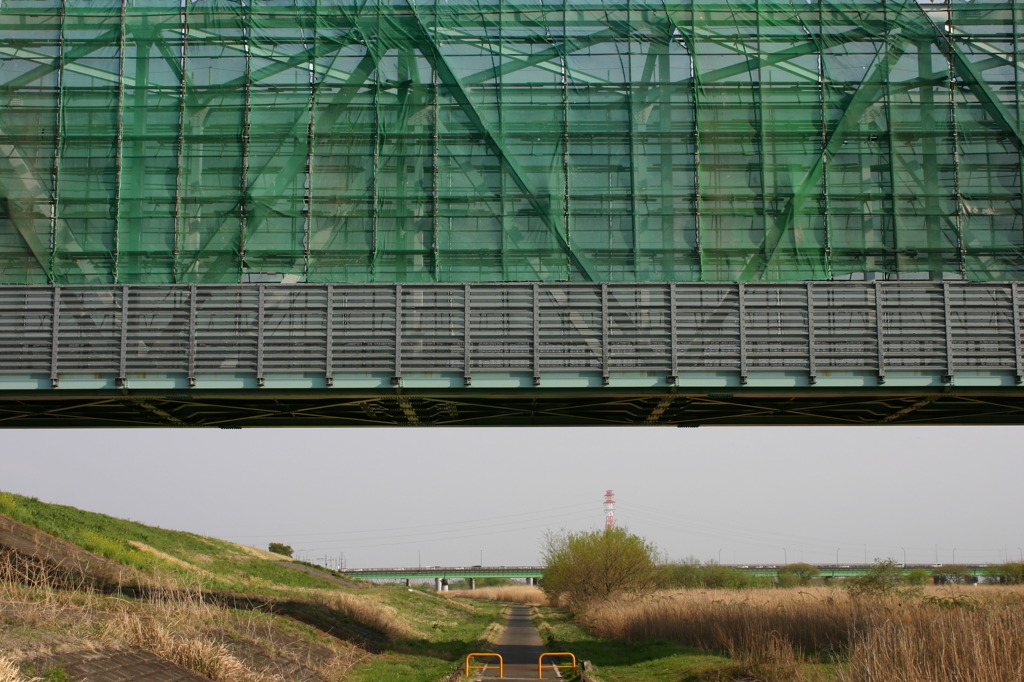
(441,572)
(533,573)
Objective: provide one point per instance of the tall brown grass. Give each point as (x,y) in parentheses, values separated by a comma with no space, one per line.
(174,623)
(10,673)
(968,635)
(370,614)
(965,644)
(519,594)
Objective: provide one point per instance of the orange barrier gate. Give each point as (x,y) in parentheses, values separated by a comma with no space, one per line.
(540,662)
(501,663)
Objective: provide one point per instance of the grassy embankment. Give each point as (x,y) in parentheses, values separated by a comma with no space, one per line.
(224,610)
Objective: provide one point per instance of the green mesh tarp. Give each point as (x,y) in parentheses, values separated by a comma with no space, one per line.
(212,141)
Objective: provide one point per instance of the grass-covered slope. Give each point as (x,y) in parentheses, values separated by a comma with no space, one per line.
(72,581)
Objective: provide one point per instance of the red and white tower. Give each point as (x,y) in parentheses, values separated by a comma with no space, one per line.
(609,509)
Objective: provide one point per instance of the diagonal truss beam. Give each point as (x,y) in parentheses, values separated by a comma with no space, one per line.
(497,147)
(971,76)
(865,94)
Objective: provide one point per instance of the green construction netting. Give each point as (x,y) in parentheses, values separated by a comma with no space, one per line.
(160,141)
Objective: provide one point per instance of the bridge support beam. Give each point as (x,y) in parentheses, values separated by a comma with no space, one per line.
(472,583)
(408,582)
(437,584)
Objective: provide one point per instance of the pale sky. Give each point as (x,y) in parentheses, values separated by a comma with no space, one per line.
(459,496)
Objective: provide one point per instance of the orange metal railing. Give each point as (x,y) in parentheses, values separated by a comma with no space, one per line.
(469,666)
(540,662)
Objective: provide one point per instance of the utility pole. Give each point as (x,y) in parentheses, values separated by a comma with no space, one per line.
(609,510)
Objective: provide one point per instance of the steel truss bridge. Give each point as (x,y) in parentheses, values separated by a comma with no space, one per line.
(673,354)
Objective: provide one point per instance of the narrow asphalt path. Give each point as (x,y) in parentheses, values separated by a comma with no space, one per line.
(520,646)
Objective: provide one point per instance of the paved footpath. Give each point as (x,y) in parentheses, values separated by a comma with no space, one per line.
(520,646)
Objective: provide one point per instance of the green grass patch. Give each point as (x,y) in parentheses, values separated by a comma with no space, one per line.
(448,630)
(212,563)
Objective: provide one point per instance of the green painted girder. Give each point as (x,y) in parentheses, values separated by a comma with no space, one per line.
(435,572)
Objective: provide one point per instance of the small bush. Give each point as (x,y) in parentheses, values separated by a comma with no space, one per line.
(281,548)
(883,580)
(591,566)
(692,574)
(1007,574)
(797,574)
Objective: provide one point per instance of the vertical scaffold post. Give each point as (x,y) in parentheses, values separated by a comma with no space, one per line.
(55,336)
(536,334)
(673,376)
(605,325)
(396,376)
(947,323)
(879,330)
(193,315)
(329,337)
(812,372)
(122,364)
(260,332)
(467,334)
(1018,361)
(742,309)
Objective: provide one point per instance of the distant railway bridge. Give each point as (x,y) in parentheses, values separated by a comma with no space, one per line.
(441,575)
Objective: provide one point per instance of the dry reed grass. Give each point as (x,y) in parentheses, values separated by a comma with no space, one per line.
(964,634)
(981,644)
(369,614)
(176,624)
(519,594)
(207,658)
(10,673)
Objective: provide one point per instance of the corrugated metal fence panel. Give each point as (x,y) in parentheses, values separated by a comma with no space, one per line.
(501,327)
(914,326)
(89,330)
(845,332)
(26,329)
(363,328)
(227,329)
(640,327)
(982,327)
(570,327)
(295,329)
(433,328)
(776,326)
(158,329)
(673,329)
(708,327)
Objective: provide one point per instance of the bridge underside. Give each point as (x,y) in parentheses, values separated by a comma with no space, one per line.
(662,407)
(671,354)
